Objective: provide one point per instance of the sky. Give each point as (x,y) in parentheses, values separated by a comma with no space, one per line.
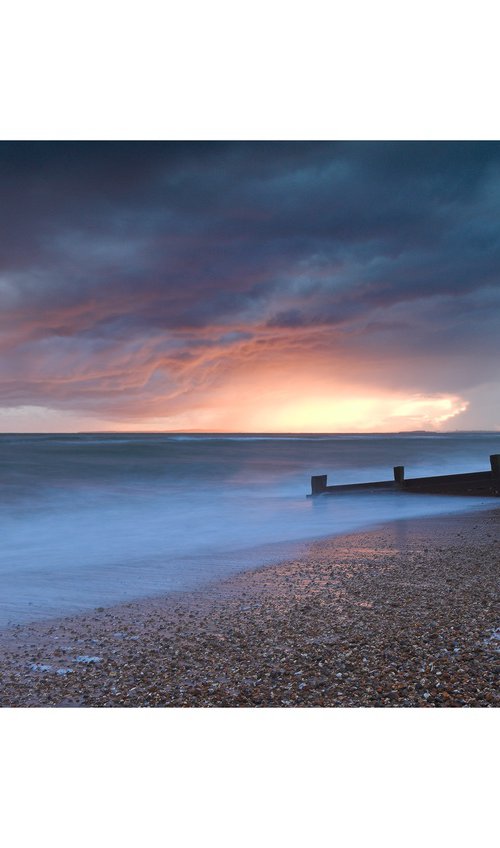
(250,287)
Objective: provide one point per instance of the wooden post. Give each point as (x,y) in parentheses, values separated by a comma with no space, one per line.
(318,484)
(495,464)
(399,474)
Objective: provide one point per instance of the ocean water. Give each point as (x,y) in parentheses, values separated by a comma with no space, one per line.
(94,519)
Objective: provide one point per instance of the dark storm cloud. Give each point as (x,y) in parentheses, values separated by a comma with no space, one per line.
(128,258)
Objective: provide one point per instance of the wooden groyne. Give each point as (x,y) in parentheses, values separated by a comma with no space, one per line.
(479,483)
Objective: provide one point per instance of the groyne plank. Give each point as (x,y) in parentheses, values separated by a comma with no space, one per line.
(476,483)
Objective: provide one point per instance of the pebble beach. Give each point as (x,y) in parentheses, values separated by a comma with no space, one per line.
(403,615)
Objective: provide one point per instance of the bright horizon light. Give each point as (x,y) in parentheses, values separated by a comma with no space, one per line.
(253,287)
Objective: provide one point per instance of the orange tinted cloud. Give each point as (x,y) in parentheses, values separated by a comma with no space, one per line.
(249,286)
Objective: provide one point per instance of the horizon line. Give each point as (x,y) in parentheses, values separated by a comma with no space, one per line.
(243,432)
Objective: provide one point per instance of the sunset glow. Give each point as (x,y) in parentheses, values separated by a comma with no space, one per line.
(280,412)
(249,287)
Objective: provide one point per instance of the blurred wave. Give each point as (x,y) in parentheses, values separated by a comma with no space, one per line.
(93,519)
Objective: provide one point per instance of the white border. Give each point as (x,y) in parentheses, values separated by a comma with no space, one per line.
(271,69)
(100,70)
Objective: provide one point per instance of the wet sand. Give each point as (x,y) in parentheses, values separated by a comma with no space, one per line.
(403,615)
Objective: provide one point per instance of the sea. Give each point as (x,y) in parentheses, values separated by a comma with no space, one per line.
(95,519)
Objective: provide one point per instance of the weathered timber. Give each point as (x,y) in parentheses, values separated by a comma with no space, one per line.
(318,484)
(476,483)
(399,474)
